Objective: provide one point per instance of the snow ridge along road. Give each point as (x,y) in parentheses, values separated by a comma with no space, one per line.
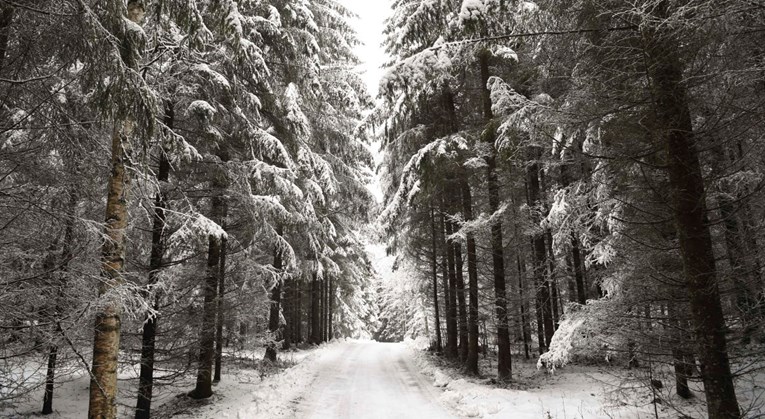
(369,380)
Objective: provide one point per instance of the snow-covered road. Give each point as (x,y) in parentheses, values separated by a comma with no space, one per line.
(369,380)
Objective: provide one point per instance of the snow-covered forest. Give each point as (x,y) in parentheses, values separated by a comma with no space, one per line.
(572,209)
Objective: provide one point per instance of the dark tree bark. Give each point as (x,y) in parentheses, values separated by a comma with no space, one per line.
(680,355)
(219,308)
(462,306)
(504,359)
(50,378)
(525,321)
(471,363)
(434,268)
(288,303)
(149,332)
(63,267)
(688,203)
(299,312)
(322,309)
(330,311)
(576,257)
(326,309)
(275,308)
(324,294)
(552,281)
(207,334)
(206,357)
(451,313)
(545,326)
(445,280)
(315,310)
(577,263)
(542,315)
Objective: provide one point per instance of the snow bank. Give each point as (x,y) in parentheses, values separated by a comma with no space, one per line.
(534,396)
(248,394)
(586,335)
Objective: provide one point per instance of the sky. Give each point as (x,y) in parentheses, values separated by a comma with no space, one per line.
(369,25)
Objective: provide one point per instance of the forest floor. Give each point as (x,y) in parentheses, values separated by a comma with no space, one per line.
(366,379)
(576,392)
(606,391)
(248,384)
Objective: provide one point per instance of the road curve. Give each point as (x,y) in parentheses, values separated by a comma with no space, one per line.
(369,380)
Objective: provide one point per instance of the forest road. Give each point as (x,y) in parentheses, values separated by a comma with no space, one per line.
(369,380)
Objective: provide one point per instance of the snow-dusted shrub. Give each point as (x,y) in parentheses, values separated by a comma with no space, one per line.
(587,334)
(420,343)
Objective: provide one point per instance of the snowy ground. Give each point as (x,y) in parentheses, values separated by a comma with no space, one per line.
(365,379)
(579,393)
(244,387)
(369,380)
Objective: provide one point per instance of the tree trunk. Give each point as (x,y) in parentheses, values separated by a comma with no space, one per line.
(462,306)
(445,280)
(539,298)
(324,309)
(102,402)
(504,359)
(63,267)
(288,310)
(106,340)
(576,256)
(683,371)
(545,325)
(577,263)
(330,314)
(149,332)
(434,268)
(525,322)
(471,364)
(552,281)
(689,206)
(451,313)
(315,311)
(299,312)
(207,334)
(322,304)
(50,378)
(220,308)
(275,308)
